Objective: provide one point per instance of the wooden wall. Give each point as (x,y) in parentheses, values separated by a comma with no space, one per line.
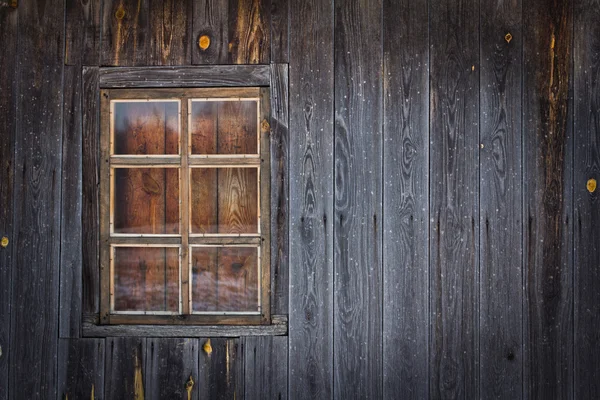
(434,195)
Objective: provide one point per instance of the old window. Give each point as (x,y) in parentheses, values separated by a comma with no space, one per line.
(184,206)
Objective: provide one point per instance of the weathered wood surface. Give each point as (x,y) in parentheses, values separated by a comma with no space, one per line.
(125,368)
(82,32)
(81,369)
(280,34)
(586,53)
(266,366)
(220,371)
(501,203)
(125,33)
(547,216)
(454,223)
(210,22)
(170,31)
(357,241)
(200,76)
(249,31)
(37,190)
(8,126)
(71,230)
(171,369)
(311,202)
(405,200)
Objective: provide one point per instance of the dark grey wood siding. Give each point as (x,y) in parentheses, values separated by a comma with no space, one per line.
(434,215)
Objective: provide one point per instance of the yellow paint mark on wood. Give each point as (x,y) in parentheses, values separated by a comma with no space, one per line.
(207,347)
(508,37)
(189,386)
(138,381)
(4,241)
(591,185)
(204,42)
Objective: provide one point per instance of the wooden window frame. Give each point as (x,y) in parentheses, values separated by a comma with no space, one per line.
(176,82)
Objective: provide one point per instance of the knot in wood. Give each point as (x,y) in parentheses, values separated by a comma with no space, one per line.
(204,42)
(591,187)
(4,241)
(265,125)
(120,13)
(508,37)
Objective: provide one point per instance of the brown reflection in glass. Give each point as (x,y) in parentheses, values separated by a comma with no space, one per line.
(146,200)
(224,200)
(149,127)
(224,127)
(146,279)
(225,279)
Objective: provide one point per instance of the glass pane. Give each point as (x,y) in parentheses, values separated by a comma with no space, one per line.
(224,127)
(224,200)
(225,279)
(146,200)
(146,127)
(146,279)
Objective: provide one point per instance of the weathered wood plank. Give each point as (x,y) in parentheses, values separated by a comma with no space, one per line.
(454,219)
(280,32)
(279,189)
(8,126)
(90,208)
(406,199)
(311,202)
(125,368)
(175,77)
(37,191)
(220,371)
(81,369)
(357,231)
(210,37)
(171,369)
(125,33)
(170,30)
(547,216)
(501,203)
(266,366)
(82,32)
(71,230)
(249,31)
(586,53)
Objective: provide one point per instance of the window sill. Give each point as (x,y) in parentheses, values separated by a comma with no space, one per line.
(278,327)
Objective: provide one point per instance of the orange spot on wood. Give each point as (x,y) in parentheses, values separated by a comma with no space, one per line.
(591,185)
(204,42)
(207,347)
(508,37)
(4,241)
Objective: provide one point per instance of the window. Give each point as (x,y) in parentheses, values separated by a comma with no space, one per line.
(184,206)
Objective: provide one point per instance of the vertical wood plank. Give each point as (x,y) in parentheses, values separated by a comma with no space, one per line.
(406,199)
(586,53)
(210,21)
(548,325)
(311,203)
(500,227)
(125,35)
(82,32)
(454,219)
(71,204)
(220,371)
(266,366)
(37,191)
(169,365)
(358,200)
(279,189)
(90,208)
(280,24)
(170,32)
(8,126)
(250,31)
(81,369)
(125,368)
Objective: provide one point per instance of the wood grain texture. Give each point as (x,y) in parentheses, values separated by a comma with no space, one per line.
(210,18)
(169,365)
(266,365)
(586,55)
(405,200)
(125,368)
(454,218)
(125,33)
(90,207)
(37,190)
(280,31)
(249,31)
(8,126)
(82,32)
(81,368)
(220,371)
(548,212)
(501,203)
(170,27)
(71,250)
(358,303)
(279,189)
(311,202)
(177,77)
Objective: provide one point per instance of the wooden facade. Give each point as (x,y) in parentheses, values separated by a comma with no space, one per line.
(435,220)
